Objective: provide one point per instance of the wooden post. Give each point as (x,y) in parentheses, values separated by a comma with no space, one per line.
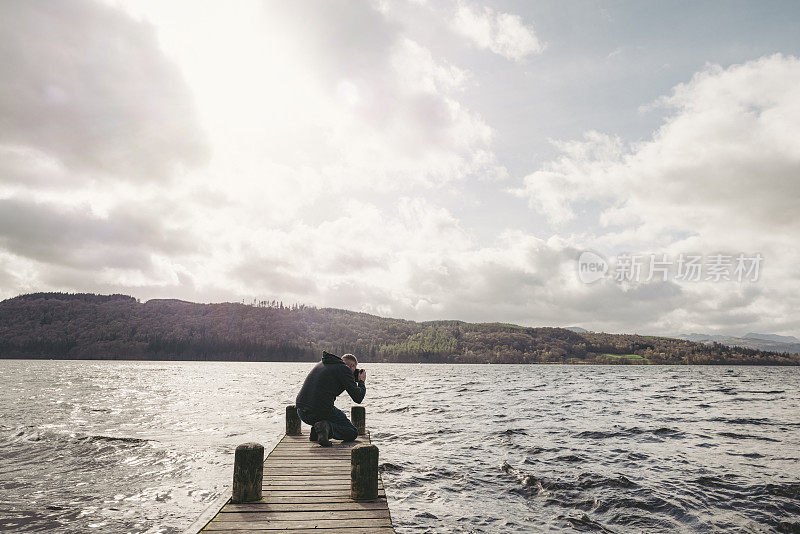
(364,472)
(248,471)
(359,416)
(292,421)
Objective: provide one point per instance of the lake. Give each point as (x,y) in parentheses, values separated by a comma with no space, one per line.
(144,447)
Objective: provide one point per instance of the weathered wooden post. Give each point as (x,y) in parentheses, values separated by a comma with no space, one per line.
(359,416)
(292,421)
(364,472)
(248,471)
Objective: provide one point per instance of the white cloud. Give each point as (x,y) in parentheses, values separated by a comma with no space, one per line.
(721,174)
(334,113)
(502,33)
(86,88)
(728,149)
(590,169)
(335,140)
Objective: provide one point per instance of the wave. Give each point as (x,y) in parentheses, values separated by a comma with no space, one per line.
(123,439)
(389,467)
(34,434)
(734,484)
(605,502)
(735,435)
(584,481)
(742,420)
(585,524)
(746,454)
(631,431)
(571,458)
(790,490)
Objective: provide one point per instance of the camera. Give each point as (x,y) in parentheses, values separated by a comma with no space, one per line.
(356,372)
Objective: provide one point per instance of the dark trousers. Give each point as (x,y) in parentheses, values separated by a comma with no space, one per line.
(341,427)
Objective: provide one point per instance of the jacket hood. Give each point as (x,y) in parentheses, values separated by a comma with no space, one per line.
(328,358)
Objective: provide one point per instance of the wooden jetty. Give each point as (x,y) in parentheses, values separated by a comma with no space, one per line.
(302,488)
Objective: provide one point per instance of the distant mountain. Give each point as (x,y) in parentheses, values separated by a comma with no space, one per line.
(764,342)
(86,326)
(577,329)
(700,338)
(773,337)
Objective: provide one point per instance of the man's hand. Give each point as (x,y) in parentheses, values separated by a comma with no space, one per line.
(362,375)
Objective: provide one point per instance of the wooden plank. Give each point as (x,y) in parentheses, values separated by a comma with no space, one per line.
(309,459)
(277,474)
(294,491)
(209,513)
(289,524)
(305,484)
(319,471)
(303,507)
(311,455)
(307,466)
(291,455)
(350,530)
(304,516)
(289,466)
(315,452)
(289,481)
(307,489)
(294,498)
(307,480)
(304,469)
(316,473)
(315,447)
(304,463)
(319,493)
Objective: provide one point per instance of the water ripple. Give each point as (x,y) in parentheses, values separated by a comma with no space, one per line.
(144,447)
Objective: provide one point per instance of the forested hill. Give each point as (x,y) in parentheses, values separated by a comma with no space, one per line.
(86,326)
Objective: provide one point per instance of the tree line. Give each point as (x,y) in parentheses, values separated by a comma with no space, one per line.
(88,326)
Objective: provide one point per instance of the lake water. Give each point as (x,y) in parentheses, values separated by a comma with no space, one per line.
(145,446)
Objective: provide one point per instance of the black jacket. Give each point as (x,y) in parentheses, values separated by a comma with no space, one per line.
(325,382)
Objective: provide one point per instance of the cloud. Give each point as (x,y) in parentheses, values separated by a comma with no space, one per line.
(273,277)
(85,88)
(352,105)
(399,120)
(321,154)
(27,166)
(587,170)
(414,261)
(502,33)
(68,236)
(725,156)
(97,126)
(721,174)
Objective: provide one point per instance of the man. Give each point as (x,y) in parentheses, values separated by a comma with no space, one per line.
(323,384)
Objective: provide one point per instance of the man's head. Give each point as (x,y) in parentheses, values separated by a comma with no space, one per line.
(350,361)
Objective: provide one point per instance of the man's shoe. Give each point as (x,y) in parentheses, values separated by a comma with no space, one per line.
(313,435)
(323,431)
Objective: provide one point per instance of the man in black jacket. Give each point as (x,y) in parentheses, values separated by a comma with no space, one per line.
(323,384)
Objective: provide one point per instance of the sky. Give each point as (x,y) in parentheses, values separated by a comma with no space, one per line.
(619,166)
